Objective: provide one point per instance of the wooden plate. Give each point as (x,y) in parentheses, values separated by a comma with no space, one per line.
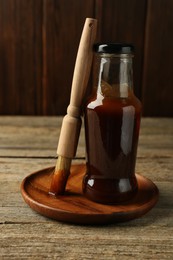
(73,207)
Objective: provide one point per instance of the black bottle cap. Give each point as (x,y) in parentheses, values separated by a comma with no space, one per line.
(119,48)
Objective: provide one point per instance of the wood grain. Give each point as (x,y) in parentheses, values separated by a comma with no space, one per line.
(20,57)
(157,78)
(39,41)
(25,234)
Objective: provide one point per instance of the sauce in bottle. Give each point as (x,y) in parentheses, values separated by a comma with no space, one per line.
(112,122)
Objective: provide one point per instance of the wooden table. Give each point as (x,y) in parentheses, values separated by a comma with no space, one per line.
(29,144)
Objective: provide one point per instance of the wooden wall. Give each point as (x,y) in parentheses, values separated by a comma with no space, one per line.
(39,41)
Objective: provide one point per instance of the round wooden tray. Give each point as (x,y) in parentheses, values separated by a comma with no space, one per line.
(73,207)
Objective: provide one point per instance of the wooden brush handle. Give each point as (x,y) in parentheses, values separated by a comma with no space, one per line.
(71,125)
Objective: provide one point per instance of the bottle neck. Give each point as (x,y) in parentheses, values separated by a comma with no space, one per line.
(113,75)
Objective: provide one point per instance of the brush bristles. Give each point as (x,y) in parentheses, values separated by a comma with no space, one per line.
(63,163)
(60,176)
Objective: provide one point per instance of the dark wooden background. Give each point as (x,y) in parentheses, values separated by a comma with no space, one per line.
(39,41)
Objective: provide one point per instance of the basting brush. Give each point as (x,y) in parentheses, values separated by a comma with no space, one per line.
(71,124)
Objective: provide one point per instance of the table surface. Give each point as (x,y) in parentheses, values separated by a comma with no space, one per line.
(29,144)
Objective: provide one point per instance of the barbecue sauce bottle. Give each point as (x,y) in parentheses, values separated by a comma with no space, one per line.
(112,121)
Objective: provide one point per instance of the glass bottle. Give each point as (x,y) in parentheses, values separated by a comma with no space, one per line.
(112,121)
